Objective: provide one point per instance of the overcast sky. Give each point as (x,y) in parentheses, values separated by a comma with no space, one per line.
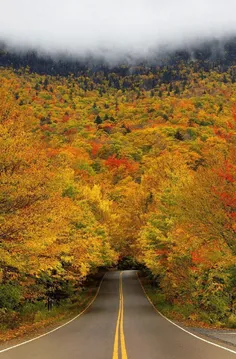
(113,26)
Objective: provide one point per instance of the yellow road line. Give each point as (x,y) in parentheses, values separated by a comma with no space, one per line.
(122,335)
(120,326)
(116,342)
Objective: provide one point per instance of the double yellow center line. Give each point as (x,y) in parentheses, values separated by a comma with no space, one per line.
(120,327)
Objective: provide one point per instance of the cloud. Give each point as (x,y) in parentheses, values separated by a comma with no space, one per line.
(113,28)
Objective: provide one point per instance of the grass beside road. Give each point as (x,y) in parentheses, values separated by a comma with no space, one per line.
(34,319)
(185,313)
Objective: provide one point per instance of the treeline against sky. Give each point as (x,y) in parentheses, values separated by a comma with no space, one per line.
(207,55)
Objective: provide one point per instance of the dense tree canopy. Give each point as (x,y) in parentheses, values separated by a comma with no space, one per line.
(99,166)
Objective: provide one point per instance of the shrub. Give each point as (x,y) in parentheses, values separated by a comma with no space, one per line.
(232,321)
(29,310)
(10,296)
(9,319)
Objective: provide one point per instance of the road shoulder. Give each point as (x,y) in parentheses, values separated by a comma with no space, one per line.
(219,335)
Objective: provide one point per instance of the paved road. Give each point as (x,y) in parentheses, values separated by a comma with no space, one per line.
(120,324)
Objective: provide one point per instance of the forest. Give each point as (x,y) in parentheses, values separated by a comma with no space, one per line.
(102,164)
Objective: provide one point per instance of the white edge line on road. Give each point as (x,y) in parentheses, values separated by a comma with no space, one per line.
(61,326)
(178,326)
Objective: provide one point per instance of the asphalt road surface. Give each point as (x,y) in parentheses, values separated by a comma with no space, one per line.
(120,324)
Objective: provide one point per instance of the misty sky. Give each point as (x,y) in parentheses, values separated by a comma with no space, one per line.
(113,26)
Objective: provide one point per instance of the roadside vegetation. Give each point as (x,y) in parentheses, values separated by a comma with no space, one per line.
(19,317)
(187,313)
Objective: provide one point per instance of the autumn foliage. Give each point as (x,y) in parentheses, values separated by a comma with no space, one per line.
(95,167)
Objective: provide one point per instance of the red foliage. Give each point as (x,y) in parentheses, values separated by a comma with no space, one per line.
(114,163)
(230,124)
(228,199)
(47,128)
(162,252)
(53,152)
(222,134)
(70,131)
(202,256)
(233,215)
(95,148)
(65,118)
(228,173)
(196,257)
(89,127)
(107,128)
(234,112)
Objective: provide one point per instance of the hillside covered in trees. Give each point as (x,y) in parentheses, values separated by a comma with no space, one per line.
(107,163)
